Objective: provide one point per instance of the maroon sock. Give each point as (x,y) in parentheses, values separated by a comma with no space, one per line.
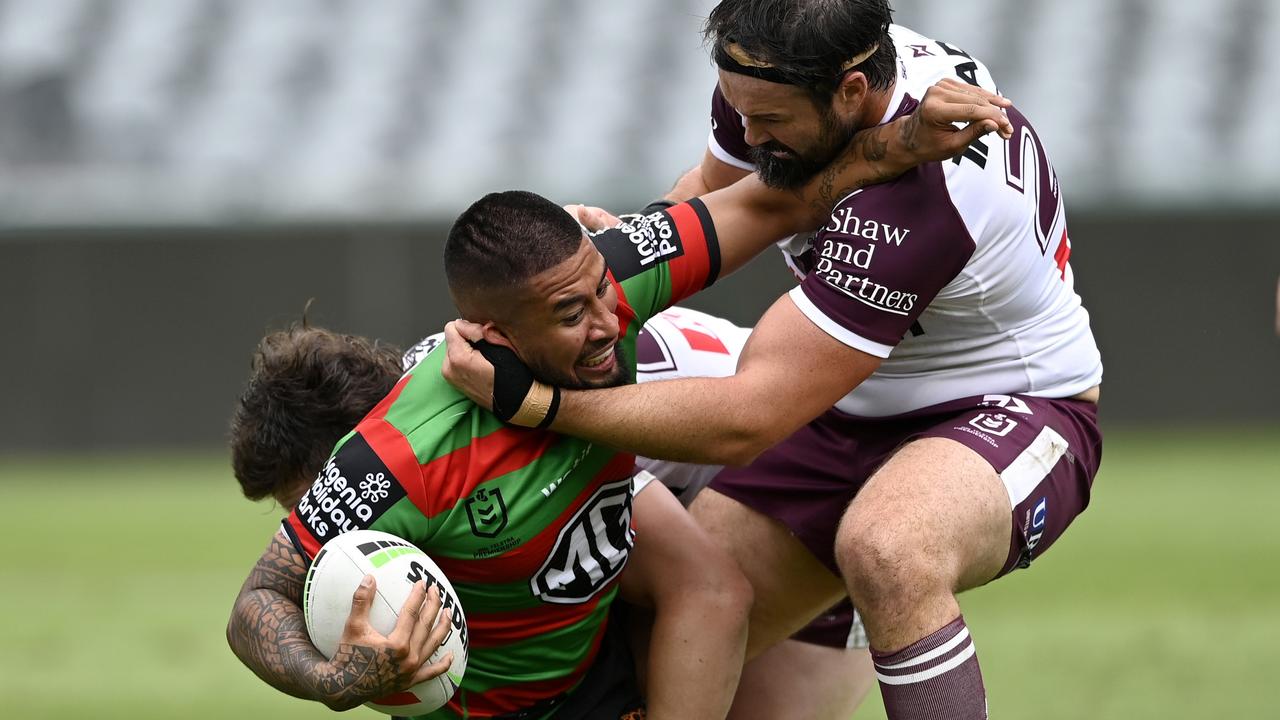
(934,678)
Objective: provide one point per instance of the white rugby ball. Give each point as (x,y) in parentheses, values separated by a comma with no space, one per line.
(396,565)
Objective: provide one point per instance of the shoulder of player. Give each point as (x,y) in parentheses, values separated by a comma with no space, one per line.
(913,214)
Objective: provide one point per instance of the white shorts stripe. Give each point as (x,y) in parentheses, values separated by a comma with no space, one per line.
(1033,464)
(942,649)
(932,672)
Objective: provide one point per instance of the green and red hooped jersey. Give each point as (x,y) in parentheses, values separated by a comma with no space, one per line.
(531,527)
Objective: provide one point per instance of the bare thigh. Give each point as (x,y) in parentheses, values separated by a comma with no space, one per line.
(932,522)
(803,681)
(791,587)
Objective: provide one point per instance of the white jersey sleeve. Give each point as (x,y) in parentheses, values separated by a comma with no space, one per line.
(685,343)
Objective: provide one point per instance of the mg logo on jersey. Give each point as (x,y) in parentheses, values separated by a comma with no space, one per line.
(591,549)
(487,513)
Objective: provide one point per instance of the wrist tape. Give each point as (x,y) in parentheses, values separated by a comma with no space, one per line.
(518,398)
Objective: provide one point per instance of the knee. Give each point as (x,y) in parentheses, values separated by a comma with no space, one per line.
(728,591)
(885,566)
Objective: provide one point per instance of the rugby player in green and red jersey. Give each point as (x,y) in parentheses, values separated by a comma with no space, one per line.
(532,527)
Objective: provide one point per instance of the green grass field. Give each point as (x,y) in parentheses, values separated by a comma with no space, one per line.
(1162,602)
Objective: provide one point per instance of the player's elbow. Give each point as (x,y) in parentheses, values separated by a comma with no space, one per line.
(746,442)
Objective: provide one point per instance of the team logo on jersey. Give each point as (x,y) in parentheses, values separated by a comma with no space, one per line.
(591,550)
(997,424)
(352,491)
(487,513)
(641,242)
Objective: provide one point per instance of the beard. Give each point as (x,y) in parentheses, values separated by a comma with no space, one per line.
(570,381)
(793,169)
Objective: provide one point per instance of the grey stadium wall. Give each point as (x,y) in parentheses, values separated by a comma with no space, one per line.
(140,339)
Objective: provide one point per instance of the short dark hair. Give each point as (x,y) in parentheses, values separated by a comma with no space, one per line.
(504,239)
(307,388)
(808,41)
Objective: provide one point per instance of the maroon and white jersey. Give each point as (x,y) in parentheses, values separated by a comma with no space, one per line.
(956,272)
(678,343)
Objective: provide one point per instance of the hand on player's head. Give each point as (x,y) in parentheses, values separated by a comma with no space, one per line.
(464,367)
(931,133)
(593,218)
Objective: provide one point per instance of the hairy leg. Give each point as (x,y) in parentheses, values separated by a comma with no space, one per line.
(791,587)
(932,522)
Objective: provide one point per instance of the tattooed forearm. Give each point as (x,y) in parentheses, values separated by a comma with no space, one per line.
(868,149)
(269,635)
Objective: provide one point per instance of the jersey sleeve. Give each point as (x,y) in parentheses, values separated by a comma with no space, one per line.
(728,141)
(879,261)
(661,258)
(368,483)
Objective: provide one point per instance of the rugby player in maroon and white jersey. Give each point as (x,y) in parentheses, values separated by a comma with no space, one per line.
(919,415)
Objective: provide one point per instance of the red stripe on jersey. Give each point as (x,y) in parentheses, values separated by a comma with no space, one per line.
(688,272)
(512,698)
(380,410)
(521,562)
(1062,254)
(499,629)
(449,478)
(624,312)
(394,450)
(310,545)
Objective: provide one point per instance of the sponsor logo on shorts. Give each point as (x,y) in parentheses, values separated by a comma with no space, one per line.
(1008,402)
(591,550)
(641,242)
(352,490)
(487,513)
(998,424)
(1038,517)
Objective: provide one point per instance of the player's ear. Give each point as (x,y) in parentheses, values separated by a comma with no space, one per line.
(496,335)
(850,94)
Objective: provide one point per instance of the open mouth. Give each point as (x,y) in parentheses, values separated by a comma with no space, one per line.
(601,360)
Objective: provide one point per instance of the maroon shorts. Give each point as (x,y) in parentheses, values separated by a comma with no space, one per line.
(839,627)
(1046,451)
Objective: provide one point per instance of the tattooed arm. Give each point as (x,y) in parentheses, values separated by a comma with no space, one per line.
(749,216)
(267,632)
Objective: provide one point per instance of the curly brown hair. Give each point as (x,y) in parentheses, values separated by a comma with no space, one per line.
(307,387)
